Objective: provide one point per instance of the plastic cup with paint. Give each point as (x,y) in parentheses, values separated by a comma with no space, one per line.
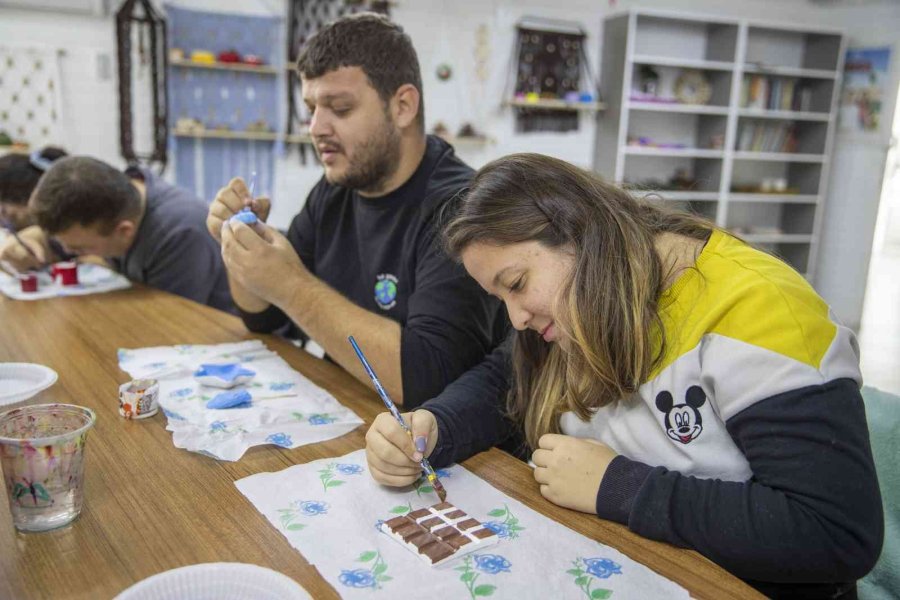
(42,455)
(139,399)
(65,272)
(28,281)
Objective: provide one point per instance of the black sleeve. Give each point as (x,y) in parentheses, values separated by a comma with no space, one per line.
(302,236)
(449,324)
(471,412)
(182,263)
(811,512)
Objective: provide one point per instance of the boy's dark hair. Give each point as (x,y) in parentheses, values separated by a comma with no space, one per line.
(19,176)
(79,190)
(371,42)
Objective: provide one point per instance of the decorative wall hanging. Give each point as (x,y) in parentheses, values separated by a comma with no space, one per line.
(138,20)
(30,100)
(305,17)
(551,65)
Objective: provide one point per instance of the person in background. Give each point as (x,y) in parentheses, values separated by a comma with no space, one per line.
(666,375)
(19,175)
(362,257)
(149,231)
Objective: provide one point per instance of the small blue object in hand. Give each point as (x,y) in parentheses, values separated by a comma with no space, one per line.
(245,216)
(235,399)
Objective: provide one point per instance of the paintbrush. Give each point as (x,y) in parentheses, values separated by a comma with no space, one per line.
(426,466)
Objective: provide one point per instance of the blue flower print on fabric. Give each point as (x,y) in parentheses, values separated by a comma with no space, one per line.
(312,508)
(349,469)
(280,439)
(358,578)
(323,419)
(181,393)
(491,563)
(501,529)
(217,426)
(602,568)
(173,415)
(281,386)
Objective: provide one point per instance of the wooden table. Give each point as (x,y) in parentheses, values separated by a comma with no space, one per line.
(150,507)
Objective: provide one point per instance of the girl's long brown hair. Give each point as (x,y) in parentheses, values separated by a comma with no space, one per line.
(608,306)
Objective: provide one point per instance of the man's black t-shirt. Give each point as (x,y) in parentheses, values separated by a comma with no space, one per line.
(384,254)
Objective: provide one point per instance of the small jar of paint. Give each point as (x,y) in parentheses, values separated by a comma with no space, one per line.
(139,399)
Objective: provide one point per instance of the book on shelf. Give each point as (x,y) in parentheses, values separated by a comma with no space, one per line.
(767,137)
(765,92)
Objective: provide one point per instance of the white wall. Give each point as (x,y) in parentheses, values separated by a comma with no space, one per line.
(444,31)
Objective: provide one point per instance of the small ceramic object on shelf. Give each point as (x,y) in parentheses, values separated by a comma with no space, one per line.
(225,375)
(229,56)
(176,54)
(203,57)
(189,125)
(253,59)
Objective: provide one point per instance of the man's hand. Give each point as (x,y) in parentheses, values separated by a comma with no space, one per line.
(15,255)
(570,470)
(262,261)
(230,200)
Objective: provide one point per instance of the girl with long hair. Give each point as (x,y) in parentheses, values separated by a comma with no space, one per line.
(665,375)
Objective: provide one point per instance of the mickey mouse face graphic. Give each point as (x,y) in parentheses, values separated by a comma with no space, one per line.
(683,421)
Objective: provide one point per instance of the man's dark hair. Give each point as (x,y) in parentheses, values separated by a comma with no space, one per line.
(19,176)
(79,190)
(371,42)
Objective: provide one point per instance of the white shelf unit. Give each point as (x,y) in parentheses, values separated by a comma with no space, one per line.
(753,160)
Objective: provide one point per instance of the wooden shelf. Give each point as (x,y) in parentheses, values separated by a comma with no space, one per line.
(687,63)
(779,156)
(790,71)
(682,152)
(791,115)
(260,136)
(674,107)
(678,195)
(774,198)
(218,66)
(557,105)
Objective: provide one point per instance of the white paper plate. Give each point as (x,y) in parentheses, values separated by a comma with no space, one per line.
(217,581)
(21,381)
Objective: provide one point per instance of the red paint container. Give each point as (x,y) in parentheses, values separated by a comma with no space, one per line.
(65,272)
(29,282)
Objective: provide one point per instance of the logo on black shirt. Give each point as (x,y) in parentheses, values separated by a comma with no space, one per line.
(386,291)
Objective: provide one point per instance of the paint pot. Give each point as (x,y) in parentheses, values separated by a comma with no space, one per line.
(29,282)
(139,399)
(42,456)
(65,273)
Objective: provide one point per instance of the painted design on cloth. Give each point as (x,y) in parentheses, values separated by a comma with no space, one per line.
(683,422)
(508,528)
(386,291)
(328,477)
(367,578)
(280,439)
(301,508)
(586,569)
(490,564)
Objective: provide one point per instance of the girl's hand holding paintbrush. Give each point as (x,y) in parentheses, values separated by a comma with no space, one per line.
(393,455)
(231,200)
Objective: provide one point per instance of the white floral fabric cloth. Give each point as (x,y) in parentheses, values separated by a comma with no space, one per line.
(329,510)
(286,409)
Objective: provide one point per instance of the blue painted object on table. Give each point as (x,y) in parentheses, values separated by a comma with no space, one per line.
(234,399)
(225,375)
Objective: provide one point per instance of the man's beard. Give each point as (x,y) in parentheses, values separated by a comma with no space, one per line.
(375,160)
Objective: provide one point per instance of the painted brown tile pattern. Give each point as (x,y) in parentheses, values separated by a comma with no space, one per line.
(439,533)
